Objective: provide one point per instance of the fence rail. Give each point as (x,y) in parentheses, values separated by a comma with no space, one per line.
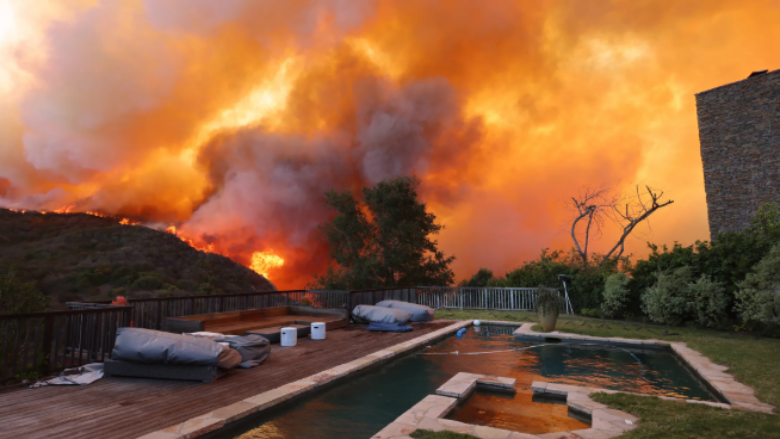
(502,299)
(151,313)
(40,343)
(36,344)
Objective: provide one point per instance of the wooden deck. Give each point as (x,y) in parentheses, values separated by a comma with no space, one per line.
(131,407)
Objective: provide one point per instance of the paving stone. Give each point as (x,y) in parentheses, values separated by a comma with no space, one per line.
(457,427)
(394,429)
(592,433)
(602,424)
(539,386)
(234,411)
(560,435)
(518,435)
(162,435)
(586,407)
(429,424)
(506,383)
(269,398)
(622,414)
(199,426)
(709,403)
(484,432)
(755,407)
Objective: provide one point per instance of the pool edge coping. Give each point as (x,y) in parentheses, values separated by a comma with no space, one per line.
(430,412)
(737,394)
(226,416)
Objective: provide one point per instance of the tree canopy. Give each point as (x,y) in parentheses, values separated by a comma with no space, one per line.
(383,239)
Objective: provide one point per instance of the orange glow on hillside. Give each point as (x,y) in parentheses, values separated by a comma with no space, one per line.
(231,119)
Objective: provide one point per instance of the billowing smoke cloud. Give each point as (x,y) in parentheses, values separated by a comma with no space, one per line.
(230,119)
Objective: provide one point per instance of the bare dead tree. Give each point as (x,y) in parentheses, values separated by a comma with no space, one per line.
(598,205)
(595,205)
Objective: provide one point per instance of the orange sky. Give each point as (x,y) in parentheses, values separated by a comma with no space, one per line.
(229,119)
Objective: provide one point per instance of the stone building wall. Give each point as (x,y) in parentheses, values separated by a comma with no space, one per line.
(739,132)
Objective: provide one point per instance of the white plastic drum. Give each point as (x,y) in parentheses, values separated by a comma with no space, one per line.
(318,331)
(289,336)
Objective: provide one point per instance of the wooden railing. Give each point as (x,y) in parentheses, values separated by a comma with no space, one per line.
(151,313)
(515,299)
(36,344)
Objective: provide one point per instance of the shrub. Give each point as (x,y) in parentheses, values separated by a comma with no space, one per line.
(148,280)
(306,302)
(615,293)
(669,301)
(591,312)
(758,297)
(710,302)
(17,296)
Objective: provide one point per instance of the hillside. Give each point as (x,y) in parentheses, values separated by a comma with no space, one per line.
(77,256)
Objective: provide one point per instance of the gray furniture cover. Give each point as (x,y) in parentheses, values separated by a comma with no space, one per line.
(420,313)
(156,347)
(370,313)
(254,349)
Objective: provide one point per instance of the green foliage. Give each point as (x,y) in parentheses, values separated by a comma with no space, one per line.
(306,301)
(615,293)
(709,302)
(548,301)
(18,296)
(480,279)
(677,298)
(592,312)
(758,297)
(382,240)
(587,282)
(668,301)
(727,260)
(148,280)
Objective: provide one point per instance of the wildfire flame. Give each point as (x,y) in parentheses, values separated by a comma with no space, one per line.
(208,248)
(231,119)
(265,261)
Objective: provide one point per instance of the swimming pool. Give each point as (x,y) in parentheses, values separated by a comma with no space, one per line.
(363,405)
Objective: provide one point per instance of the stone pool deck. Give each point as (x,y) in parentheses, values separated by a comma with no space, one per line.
(429,413)
(736,394)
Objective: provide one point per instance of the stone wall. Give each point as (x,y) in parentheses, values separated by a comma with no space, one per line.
(739,131)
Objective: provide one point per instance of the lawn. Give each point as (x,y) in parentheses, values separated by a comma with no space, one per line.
(752,360)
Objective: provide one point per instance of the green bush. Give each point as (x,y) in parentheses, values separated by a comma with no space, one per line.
(17,296)
(758,297)
(592,312)
(676,298)
(616,293)
(669,301)
(710,302)
(148,280)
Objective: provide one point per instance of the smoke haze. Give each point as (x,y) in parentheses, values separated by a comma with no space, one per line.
(230,119)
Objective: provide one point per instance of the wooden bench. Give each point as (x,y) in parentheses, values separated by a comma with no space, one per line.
(264,321)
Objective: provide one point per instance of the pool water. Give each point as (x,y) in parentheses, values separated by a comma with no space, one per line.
(362,406)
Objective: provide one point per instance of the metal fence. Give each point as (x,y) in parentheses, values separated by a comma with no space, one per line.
(503,299)
(36,344)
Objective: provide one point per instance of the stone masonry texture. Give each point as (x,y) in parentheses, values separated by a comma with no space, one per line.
(739,132)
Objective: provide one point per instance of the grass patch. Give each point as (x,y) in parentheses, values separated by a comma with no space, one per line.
(749,358)
(428,434)
(662,419)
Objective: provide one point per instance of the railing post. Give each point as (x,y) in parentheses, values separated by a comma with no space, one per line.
(48,331)
(159,315)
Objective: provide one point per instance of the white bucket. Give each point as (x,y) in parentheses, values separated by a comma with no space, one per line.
(289,336)
(318,331)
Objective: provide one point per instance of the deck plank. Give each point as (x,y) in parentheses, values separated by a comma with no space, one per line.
(131,407)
